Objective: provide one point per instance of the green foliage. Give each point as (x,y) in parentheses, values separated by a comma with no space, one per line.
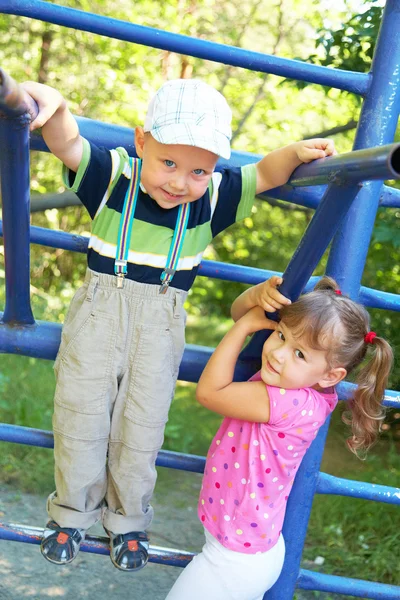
(351,47)
(111,80)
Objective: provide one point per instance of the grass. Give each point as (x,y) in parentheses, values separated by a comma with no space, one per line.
(356,538)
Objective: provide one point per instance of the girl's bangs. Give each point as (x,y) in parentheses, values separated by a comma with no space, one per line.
(315,325)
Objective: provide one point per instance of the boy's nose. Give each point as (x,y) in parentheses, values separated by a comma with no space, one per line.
(178,183)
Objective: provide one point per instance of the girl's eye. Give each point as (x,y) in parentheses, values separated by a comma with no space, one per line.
(299,354)
(169,163)
(281,336)
(198,171)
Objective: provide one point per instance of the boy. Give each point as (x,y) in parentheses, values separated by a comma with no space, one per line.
(123,337)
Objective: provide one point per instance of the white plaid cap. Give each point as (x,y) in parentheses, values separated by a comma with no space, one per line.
(190,112)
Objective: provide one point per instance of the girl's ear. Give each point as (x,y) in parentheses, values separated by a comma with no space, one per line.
(139,141)
(332,377)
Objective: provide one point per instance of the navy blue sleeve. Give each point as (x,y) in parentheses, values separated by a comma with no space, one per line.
(229,196)
(92,179)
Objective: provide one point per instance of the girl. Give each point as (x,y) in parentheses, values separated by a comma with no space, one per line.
(270,422)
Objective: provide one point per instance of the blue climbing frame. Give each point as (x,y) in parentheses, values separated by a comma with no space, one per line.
(346,192)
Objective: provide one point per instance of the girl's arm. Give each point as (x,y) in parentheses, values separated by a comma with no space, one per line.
(264,294)
(216,390)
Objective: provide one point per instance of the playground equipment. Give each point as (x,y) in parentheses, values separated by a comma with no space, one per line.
(345,210)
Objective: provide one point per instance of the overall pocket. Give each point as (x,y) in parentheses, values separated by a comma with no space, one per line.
(152,383)
(85,363)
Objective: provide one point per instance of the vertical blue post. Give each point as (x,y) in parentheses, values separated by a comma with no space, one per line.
(297,517)
(14,175)
(377,126)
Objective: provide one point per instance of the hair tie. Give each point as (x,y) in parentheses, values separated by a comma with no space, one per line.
(369,337)
(338,292)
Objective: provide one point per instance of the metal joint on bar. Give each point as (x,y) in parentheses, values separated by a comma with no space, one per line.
(381,162)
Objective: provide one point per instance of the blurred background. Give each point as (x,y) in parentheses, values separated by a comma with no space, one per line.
(112,81)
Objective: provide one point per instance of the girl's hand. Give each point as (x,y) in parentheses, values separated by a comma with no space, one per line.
(48,100)
(255,320)
(308,150)
(268,297)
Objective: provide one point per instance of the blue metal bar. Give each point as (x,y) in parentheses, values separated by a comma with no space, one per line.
(14,102)
(167,556)
(14,176)
(209,268)
(309,252)
(46,337)
(377,126)
(94,544)
(390,197)
(381,163)
(328,484)
(309,580)
(378,299)
(182,44)
(391,398)
(104,134)
(297,517)
(40,340)
(44,439)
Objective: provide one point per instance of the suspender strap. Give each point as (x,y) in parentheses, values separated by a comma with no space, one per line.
(125,230)
(176,247)
(126,221)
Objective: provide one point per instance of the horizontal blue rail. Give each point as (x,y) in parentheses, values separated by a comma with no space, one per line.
(381,162)
(122,30)
(47,335)
(105,134)
(40,438)
(327,484)
(94,544)
(309,580)
(208,268)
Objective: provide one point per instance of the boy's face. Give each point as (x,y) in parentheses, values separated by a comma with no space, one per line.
(173,174)
(289,362)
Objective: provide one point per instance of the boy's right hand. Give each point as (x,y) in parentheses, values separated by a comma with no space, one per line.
(48,100)
(60,129)
(268,297)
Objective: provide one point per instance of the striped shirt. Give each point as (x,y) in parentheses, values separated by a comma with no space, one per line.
(101,183)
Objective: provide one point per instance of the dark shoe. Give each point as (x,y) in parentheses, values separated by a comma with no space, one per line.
(129,551)
(60,545)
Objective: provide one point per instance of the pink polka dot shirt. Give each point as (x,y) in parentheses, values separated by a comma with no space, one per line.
(250,469)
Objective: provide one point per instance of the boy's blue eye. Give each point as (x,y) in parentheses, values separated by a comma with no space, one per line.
(169,163)
(281,336)
(198,171)
(299,354)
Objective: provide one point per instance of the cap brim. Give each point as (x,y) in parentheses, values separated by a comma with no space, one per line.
(193,135)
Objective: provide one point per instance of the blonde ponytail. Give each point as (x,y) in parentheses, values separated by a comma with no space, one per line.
(365,410)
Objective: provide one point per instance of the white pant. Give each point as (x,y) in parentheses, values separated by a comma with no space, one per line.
(221,574)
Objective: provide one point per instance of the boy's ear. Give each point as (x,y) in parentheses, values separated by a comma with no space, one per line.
(139,141)
(332,377)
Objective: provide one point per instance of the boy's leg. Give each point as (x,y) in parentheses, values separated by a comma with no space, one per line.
(139,417)
(86,385)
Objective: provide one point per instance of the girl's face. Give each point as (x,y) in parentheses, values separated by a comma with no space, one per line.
(289,362)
